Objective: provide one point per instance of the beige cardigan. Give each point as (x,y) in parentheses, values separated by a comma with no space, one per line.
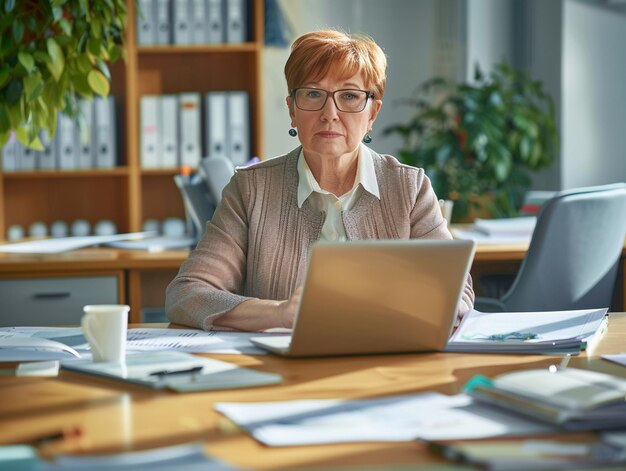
(257,244)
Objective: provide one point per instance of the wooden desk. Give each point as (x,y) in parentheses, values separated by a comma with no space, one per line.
(116,417)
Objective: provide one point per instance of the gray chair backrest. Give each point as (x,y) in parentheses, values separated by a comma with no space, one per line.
(573,256)
(202,192)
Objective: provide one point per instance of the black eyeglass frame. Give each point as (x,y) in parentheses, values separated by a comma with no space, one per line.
(369,96)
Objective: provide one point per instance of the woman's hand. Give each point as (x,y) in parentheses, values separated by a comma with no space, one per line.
(255,315)
(287,309)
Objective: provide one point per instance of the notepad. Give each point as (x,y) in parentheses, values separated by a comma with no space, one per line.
(573,398)
(177,371)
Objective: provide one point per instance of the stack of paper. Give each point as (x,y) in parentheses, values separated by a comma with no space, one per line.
(572,398)
(501,231)
(427,415)
(547,332)
(526,454)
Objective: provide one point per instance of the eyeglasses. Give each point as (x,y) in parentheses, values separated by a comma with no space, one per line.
(314,99)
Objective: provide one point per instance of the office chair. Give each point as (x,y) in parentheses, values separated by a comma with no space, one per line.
(573,256)
(202,191)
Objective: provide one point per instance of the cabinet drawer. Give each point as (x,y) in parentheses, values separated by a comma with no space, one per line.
(53,301)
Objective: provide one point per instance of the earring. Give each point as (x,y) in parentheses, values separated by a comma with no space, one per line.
(367,139)
(293,132)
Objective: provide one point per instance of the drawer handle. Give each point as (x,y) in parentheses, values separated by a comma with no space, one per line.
(52,295)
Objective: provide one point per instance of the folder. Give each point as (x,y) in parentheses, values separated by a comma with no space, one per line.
(199,21)
(106,150)
(47,158)
(215,22)
(149,137)
(10,154)
(236,21)
(28,158)
(168,126)
(85,135)
(68,152)
(182,26)
(189,106)
(163,17)
(238,124)
(146,31)
(178,371)
(216,122)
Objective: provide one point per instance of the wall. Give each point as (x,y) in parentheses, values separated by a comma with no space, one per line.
(403,28)
(490,37)
(594,96)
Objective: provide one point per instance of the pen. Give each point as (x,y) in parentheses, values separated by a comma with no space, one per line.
(57,435)
(562,366)
(195,369)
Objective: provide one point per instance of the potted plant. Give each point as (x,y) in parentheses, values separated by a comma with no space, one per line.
(50,52)
(478,142)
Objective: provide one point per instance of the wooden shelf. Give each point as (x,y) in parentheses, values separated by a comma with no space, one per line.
(199,49)
(61,174)
(128,194)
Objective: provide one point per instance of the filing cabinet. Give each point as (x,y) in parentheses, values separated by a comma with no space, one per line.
(50,301)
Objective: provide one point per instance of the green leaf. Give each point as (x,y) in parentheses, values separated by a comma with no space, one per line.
(57,13)
(5,120)
(98,82)
(18,31)
(65,26)
(14,91)
(9,5)
(57,63)
(94,45)
(4,74)
(26,60)
(103,68)
(33,86)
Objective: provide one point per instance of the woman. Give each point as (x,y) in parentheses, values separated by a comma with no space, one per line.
(246,272)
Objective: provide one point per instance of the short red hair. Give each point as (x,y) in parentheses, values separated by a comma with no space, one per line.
(314,55)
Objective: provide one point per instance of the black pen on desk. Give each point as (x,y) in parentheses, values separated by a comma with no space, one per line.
(56,436)
(195,369)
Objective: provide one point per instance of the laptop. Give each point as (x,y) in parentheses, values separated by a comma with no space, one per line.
(376,296)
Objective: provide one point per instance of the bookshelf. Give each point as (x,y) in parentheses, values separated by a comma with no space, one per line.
(128,194)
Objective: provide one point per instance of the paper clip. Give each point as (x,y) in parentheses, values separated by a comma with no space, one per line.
(504,337)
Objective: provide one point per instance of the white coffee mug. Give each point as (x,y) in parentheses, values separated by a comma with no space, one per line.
(105,327)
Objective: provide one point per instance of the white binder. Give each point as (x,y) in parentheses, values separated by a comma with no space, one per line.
(190,152)
(236,21)
(106,150)
(10,154)
(163,22)
(198,21)
(216,120)
(85,135)
(149,137)
(28,158)
(182,23)
(146,30)
(215,22)
(238,124)
(47,158)
(168,114)
(68,152)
